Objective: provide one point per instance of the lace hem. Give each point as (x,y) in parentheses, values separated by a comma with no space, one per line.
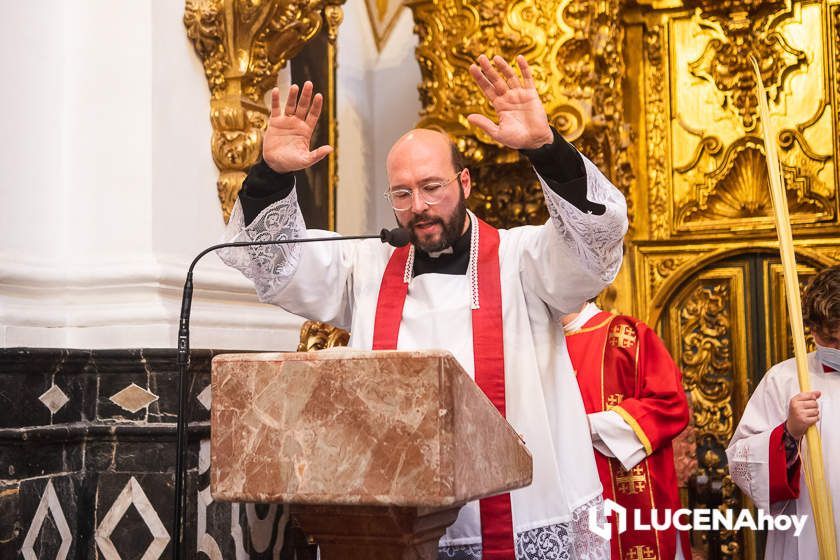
(739,467)
(596,239)
(586,544)
(462,552)
(560,541)
(270,267)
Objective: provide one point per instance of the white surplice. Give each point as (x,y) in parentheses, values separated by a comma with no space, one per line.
(557,265)
(749,450)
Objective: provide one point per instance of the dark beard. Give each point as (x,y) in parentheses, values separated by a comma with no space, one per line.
(453,227)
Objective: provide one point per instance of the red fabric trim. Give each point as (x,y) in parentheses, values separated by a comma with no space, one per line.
(489,357)
(784,484)
(389,306)
(488,340)
(685,543)
(488,351)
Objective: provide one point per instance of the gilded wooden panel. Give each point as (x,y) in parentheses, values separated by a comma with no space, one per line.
(243,45)
(706,171)
(661,269)
(575,50)
(706,319)
(775,301)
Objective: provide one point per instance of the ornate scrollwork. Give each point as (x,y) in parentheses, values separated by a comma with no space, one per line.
(315,335)
(737,189)
(507,195)
(719,178)
(656,128)
(574,48)
(707,361)
(660,268)
(725,61)
(708,377)
(243,45)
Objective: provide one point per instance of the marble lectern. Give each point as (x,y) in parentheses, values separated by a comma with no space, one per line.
(375,451)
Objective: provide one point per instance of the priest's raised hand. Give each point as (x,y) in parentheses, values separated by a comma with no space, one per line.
(287,139)
(523,123)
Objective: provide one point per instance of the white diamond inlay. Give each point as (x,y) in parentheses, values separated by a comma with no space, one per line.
(133,398)
(49,503)
(54,398)
(132,494)
(205,397)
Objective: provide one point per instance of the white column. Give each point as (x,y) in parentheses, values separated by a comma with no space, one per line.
(109,185)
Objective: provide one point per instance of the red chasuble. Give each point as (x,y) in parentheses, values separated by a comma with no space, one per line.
(488,351)
(621,365)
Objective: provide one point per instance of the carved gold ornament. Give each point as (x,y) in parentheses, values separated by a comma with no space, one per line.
(705,155)
(574,49)
(725,58)
(243,45)
(707,348)
(315,335)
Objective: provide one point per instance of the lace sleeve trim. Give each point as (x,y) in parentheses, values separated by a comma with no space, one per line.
(560,541)
(596,239)
(270,267)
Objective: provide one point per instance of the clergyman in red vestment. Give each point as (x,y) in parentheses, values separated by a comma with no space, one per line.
(636,406)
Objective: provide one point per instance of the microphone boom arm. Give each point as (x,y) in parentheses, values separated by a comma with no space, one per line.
(397,237)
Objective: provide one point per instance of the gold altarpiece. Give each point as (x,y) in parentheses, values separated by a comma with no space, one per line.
(660,94)
(243,45)
(704,264)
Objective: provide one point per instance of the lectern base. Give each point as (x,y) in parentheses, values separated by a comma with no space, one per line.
(375,533)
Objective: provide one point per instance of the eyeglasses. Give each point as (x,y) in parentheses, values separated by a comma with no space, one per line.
(430,193)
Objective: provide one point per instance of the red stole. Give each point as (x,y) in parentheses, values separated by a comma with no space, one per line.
(488,355)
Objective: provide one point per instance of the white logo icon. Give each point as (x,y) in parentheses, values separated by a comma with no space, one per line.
(605,531)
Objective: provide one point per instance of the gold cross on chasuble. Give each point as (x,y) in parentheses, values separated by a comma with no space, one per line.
(622,336)
(640,552)
(633,481)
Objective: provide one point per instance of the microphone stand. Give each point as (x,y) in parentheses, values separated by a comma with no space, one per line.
(397,237)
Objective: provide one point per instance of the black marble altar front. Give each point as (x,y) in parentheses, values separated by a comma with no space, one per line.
(87,460)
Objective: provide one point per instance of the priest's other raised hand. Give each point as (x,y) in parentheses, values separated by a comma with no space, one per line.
(523,123)
(289,134)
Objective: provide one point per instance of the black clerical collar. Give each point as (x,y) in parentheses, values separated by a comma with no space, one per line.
(455,262)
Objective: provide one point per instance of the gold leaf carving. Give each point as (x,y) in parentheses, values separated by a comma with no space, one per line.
(725,61)
(739,188)
(705,329)
(574,48)
(315,335)
(506,196)
(659,269)
(656,123)
(243,44)
(706,359)
(718,181)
